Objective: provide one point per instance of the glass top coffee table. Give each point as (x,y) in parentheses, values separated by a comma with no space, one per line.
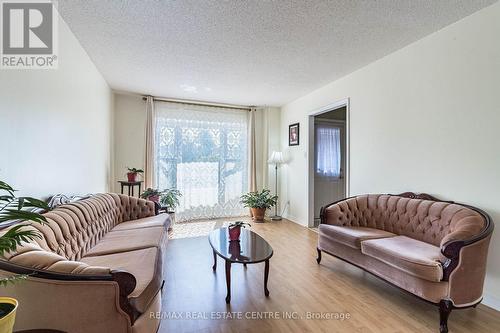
(249,249)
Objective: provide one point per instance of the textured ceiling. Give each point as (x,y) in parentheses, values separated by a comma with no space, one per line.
(255,52)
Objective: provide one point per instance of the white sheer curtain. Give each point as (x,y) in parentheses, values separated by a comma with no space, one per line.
(252,156)
(149,166)
(328,156)
(202,151)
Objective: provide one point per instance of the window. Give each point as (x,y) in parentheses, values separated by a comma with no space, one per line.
(328,154)
(202,151)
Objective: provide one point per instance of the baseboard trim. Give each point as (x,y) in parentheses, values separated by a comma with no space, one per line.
(491,302)
(293,219)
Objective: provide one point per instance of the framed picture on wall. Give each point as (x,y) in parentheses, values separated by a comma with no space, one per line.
(293,134)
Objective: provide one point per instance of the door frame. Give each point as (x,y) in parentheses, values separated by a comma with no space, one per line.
(310,153)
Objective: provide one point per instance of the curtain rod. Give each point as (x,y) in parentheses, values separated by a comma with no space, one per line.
(189,102)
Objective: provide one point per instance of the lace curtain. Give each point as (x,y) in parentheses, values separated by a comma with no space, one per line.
(328,156)
(202,151)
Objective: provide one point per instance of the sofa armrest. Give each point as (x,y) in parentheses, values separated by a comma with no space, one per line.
(89,274)
(465,230)
(133,208)
(33,261)
(335,213)
(466,233)
(65,302)
(127,283)
(33,256)
(466,273)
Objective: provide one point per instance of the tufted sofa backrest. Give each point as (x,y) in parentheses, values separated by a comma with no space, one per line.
(73,229)
(425,220)
(132,208)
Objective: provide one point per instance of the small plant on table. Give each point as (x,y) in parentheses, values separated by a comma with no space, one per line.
(235,229)
(132,174)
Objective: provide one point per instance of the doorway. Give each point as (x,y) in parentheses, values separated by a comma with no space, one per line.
(328,158)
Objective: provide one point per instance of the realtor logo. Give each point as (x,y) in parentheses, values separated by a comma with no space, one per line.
(28,35)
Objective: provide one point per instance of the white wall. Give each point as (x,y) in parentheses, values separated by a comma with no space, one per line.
(425,118)
(129,135)
(55,125)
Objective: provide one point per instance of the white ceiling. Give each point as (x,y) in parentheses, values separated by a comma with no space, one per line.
(254,52)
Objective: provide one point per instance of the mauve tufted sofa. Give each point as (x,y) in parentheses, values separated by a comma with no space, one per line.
(97,269)
(433,249)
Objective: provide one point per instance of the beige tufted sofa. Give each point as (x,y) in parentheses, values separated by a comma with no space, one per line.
(98,268)
(433,249)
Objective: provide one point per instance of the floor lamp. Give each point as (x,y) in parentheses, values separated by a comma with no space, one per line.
(276,159)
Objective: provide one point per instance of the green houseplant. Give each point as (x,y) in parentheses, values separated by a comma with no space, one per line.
(235,229)
(14,209)
(169,199)
(132,174)
(258,202)
(151,194)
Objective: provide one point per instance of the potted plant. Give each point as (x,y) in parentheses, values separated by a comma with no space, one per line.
(132,174)
(235,230)
(169,200)
(152,194)
(14,209)
(258,202)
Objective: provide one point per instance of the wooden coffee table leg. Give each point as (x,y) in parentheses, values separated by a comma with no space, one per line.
(214,267)
(228,281)
(266,276)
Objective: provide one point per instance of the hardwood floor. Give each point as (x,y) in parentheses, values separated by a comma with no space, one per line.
(194,294)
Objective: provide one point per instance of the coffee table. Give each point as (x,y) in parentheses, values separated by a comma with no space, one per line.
(250,249)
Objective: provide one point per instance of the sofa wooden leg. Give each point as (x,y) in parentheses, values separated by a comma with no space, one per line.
(318,259)
(445,307)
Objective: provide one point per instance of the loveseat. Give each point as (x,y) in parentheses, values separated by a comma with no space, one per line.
(433,249)
(97,269)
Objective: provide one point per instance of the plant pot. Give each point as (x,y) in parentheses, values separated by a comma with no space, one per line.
(132,176)
(154,198)
(234,233)
(8,307)
(258,214)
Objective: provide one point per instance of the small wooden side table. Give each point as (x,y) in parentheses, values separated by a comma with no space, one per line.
(131,186)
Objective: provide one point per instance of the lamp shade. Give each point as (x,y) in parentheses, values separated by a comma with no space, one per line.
(276,158)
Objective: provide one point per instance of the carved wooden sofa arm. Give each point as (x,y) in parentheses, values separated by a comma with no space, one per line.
(126,281)
(453,244)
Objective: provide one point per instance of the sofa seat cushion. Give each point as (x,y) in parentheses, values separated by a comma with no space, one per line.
(352,236)
(160,220)
(129,240)
(412,256)
(144,264)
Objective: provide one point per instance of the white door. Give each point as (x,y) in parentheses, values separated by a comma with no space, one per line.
(329,163)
